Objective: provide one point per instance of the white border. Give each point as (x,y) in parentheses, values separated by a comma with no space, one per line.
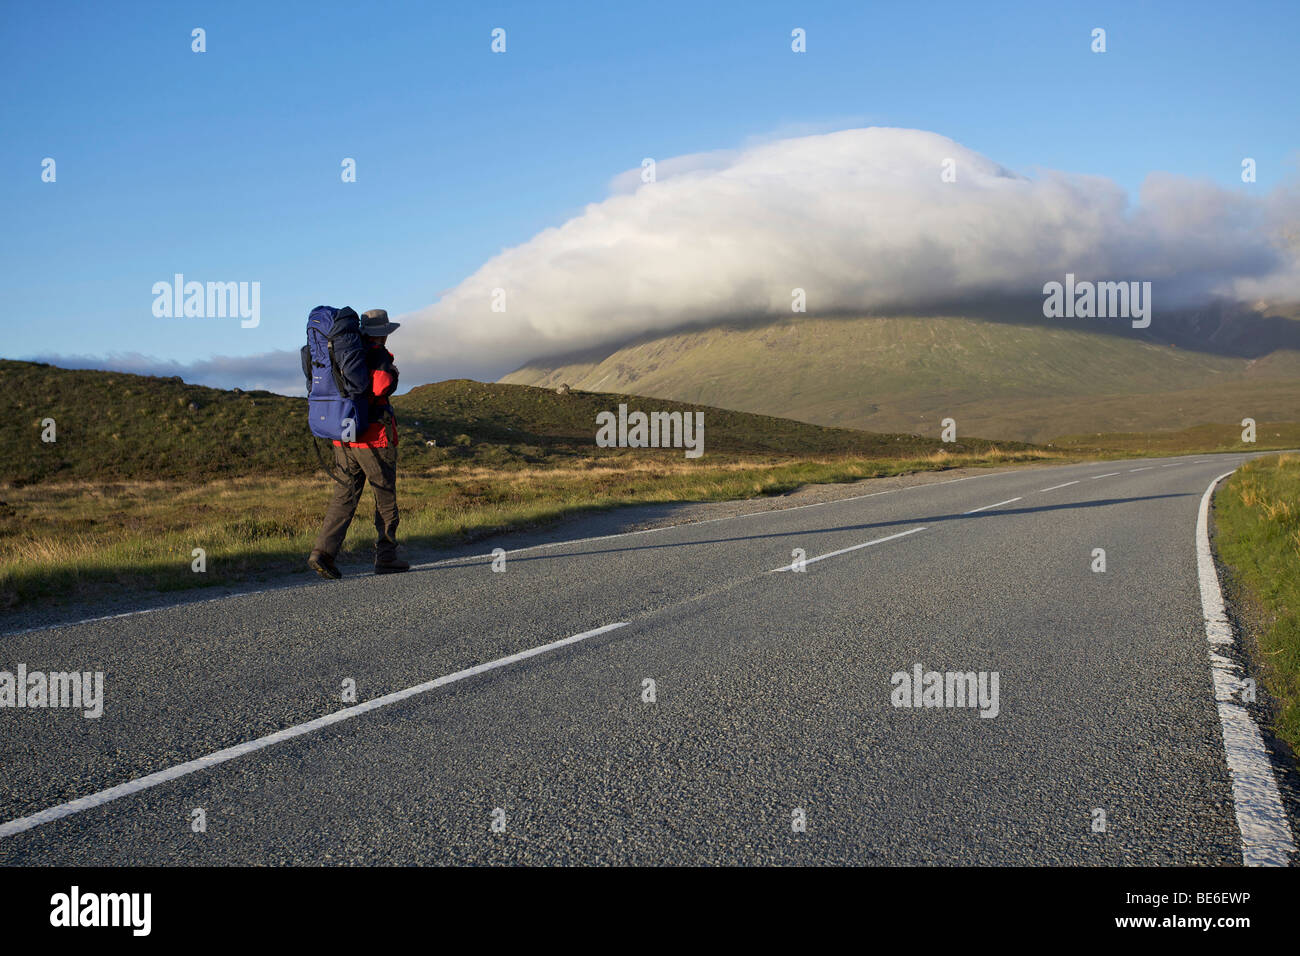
(1265,832)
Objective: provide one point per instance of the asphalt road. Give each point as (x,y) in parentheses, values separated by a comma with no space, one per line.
(773,696)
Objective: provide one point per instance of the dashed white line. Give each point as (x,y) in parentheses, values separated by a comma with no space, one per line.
(987,507)
(535,547)
(856,547)
(1109,474)
(479,557)
(1147,468)
(1266,838)
(239,750)
(1054,487)
(1174,464)
(688,524)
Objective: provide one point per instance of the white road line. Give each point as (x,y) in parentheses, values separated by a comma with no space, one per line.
(481,557)
(239,750)
(688,524)
(532,547)
(1147,468)
(856,547)
(671,527)
(1109,474)
(1054,487)
(987,507)
(1265,833)
(1176,464)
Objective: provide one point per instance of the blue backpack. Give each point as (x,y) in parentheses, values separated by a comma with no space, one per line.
(338,380)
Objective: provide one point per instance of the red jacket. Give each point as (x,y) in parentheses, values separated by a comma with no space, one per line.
(383,382)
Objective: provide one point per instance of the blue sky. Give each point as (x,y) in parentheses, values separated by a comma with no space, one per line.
(225,165)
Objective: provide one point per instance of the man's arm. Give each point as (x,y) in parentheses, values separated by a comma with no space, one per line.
(385,378)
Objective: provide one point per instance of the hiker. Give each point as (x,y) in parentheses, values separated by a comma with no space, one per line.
(372,457)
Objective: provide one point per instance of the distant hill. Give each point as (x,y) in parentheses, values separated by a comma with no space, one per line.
(1014,380)
(111,426)
(115,425)
(502,414)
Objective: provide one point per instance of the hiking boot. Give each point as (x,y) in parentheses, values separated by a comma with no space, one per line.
(390,566)
(323,565)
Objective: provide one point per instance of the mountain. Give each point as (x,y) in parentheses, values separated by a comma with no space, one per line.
(1000,373)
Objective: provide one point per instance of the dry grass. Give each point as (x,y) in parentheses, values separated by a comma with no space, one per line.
(1257,522)
(75,539)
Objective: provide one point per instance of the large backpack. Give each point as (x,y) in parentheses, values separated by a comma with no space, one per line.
(334,360)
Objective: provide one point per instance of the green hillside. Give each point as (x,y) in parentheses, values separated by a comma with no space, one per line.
(145,469)
(1023,382)
(115,425)
(111,425)
(513,414)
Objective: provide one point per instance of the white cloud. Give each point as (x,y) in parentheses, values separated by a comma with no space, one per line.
(860,219)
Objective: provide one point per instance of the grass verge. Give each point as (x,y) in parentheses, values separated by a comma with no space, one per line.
(80,540)
(1257,537)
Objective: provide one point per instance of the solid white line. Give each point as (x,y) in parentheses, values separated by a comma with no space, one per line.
(987,507)
(1109,474)
(856,547)
(239,750)
(1147,468)
(1265,833)
(1054,487)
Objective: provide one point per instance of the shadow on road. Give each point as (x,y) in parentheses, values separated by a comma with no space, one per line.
(556,551)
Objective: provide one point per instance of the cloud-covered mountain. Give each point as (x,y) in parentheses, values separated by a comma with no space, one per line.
(862,220)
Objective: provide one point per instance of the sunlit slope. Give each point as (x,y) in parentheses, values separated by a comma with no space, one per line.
(1017,382)
(112,426)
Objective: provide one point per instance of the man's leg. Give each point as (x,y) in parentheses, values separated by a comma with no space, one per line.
(380,465)
(338,515)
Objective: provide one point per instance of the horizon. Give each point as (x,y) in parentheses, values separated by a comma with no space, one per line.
(439,220)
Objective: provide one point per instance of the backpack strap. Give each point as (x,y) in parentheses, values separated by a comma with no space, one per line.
(334,368)
(330,467)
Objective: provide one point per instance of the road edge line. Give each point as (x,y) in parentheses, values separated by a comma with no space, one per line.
(1266,838)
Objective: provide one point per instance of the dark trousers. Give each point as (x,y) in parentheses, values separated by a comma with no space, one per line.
(359,465)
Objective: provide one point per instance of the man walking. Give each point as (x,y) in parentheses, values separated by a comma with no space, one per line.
(372,457)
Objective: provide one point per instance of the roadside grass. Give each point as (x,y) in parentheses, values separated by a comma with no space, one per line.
(1197,440)
(1257,537)
(62,542)
(144,470)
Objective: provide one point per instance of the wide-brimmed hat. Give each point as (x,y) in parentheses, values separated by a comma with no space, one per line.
(376,325)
